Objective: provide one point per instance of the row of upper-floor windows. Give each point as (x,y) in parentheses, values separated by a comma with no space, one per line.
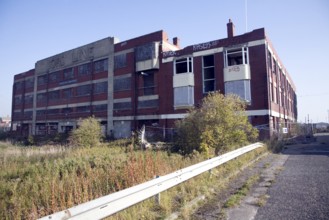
(62,111)
(84,90)
(64,75)
(232,57)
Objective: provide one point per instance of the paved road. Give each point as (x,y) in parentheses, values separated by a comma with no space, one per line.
(301,189)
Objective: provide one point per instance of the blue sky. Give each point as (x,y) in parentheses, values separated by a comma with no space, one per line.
(31,30)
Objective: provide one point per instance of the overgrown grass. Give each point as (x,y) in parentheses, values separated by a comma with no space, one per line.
(35,181)
(241,192)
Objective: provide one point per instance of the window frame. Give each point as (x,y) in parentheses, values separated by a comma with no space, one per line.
(189,64)
(243,50)
(204,80)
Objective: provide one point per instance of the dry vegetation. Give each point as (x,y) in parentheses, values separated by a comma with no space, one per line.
(35,182)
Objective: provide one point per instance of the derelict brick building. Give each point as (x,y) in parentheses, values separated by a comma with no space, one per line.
(150,81)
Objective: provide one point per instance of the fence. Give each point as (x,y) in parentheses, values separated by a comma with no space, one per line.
(115,202)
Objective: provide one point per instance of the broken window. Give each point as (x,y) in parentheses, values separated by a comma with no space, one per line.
(208,74)
(236,56)
(184,96)
(183,65)
(240,88)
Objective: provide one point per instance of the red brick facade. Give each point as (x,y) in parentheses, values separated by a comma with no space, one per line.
(149,80)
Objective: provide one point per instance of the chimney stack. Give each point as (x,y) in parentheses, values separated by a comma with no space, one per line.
(176,41)
(230,29)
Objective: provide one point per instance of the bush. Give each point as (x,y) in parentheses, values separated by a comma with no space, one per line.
(88,134)
(220,124)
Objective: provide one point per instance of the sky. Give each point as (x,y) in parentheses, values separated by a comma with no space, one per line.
(31,30)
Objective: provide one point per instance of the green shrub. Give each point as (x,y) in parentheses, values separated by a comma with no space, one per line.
(220,124)
(88,134)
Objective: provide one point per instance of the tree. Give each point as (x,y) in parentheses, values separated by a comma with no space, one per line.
(88,134)
(220,124)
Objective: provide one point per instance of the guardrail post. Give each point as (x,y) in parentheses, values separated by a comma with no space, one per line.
(157,196)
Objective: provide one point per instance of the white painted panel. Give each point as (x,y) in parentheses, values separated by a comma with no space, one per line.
(183,79)
(237,72)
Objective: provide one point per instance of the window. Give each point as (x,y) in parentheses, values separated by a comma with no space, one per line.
(41,97)
(28,114)
(100,108)
(29,83)
(148,103)
(54,95)
(67,93)
(240,88)
(18,86)
(28,99)
(68,74)
(236,56)
(18,100)
(122,84)
(84,69)
(84,90)
(120,61)
(184,96)
(53,111)
(42,80)
(208,74)
(41,112)
(83,109)
(54,77)
(100,88)
(122,105)
(183,65)
(148,82)
(101,66)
